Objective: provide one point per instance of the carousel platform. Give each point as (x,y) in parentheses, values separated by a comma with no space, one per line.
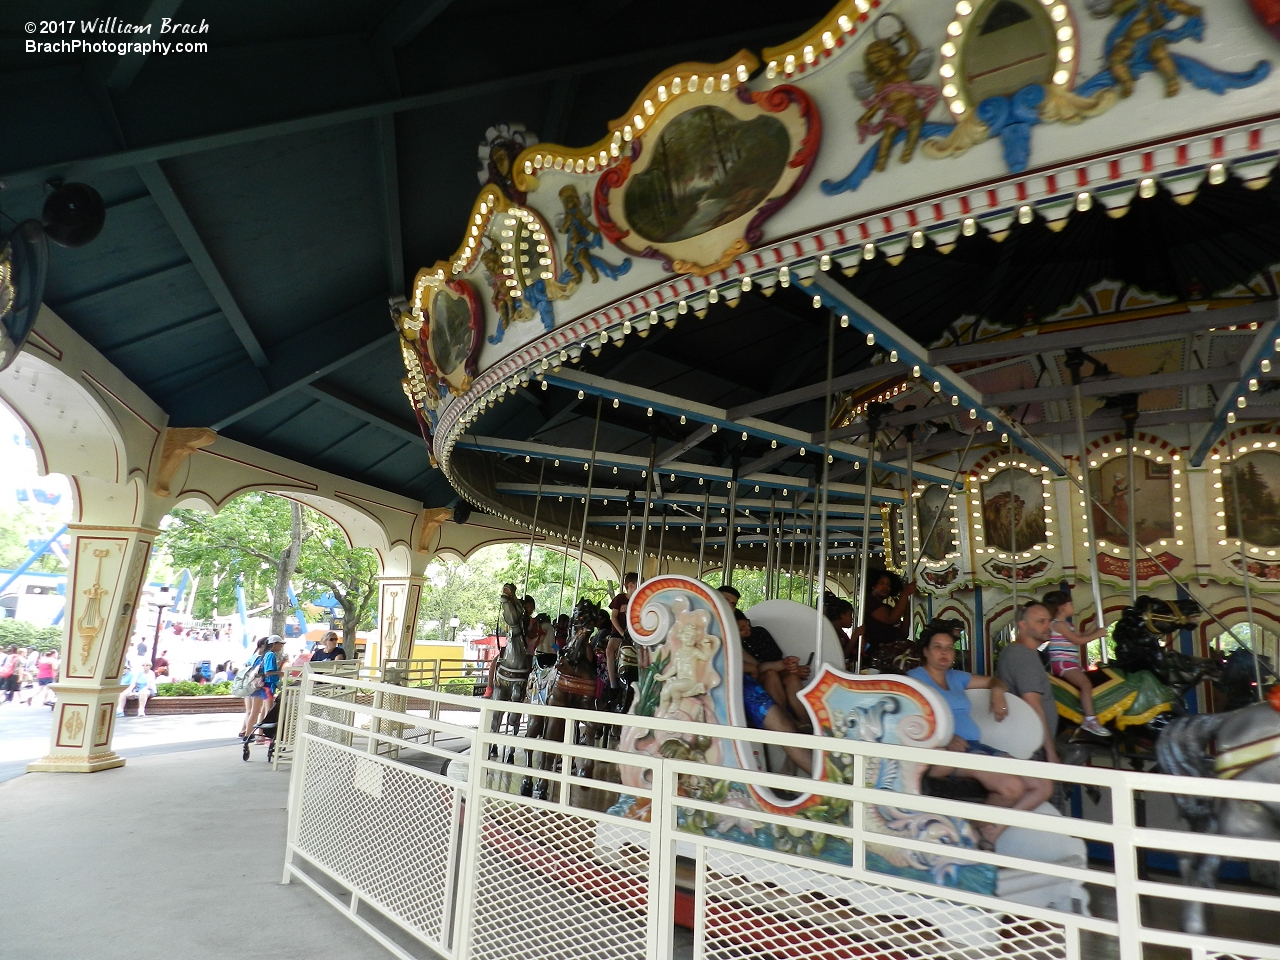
(167,855)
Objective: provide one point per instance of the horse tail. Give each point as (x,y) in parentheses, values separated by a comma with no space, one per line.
(1182,750)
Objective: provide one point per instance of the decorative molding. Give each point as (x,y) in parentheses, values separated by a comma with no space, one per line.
(179,443)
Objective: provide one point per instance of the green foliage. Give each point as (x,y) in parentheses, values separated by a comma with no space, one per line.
(23,634)
(189,688)
(469,590)
(17,526)
(462,686)
(245,541)
(750,583)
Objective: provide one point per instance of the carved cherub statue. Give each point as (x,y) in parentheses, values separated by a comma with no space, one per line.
(1140,19)
(691,649)
(889,91)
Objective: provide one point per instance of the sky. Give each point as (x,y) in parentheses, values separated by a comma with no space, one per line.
(20,484)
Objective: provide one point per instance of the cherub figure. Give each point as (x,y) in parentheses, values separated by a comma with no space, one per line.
(504,305)
(1139,43)
(1147,17)
(581,237)
(691,649)
(894,101)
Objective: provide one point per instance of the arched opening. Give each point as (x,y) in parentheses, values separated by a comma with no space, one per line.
(264,563)
(467,590)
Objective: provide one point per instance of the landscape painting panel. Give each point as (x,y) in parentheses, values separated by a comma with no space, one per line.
(1020,510)
(708,168)
(1257,475)
(1152,500)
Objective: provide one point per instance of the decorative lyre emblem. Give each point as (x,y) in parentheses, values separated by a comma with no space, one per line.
(90,623)
(389,633)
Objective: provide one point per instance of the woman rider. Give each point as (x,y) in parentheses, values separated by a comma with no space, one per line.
(936,647)
(884,623)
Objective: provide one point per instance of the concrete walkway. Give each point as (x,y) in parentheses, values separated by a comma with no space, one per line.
(24,735)
(173,855)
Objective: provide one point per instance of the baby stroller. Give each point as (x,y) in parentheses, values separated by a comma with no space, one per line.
(264,732)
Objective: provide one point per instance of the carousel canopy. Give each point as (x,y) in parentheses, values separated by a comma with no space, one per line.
(267,197)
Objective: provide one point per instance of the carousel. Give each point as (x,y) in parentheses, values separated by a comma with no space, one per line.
(899,327)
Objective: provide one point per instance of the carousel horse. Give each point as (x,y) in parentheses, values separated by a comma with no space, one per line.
(573,685)
(1241,745)
(511,673)
(1142,690)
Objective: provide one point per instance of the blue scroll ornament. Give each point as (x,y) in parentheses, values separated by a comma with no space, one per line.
(1011,119)
(577,246)
(1200,74)
(866,166)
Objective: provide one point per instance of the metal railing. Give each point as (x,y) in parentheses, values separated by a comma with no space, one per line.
(590,867)
(290,697)
(438,674)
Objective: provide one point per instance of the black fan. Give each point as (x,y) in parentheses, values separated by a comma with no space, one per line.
(73,214)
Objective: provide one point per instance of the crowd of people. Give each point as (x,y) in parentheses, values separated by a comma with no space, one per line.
(27,674)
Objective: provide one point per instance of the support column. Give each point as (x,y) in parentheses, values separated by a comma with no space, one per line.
(108,566)
(398,601)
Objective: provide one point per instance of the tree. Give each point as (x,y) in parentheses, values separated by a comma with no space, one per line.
(264,543)
(351,575)
(18,527)
(546,573)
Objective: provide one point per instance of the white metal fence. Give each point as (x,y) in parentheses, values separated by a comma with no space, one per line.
(413,822)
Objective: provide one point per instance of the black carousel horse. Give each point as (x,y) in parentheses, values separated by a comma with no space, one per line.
(1154,677)
(573,685)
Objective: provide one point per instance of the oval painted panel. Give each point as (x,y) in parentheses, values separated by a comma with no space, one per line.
(1013,510)
(708,168)
(942,543)
(452,336)
(1151,502)
(1009,45)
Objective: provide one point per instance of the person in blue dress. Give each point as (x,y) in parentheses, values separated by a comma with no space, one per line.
(936,646)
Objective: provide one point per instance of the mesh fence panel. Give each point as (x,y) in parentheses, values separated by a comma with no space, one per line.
(545,888)
(757,907)
(384,831)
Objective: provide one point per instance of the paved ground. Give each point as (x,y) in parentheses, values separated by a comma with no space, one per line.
(24,735)
(173,855)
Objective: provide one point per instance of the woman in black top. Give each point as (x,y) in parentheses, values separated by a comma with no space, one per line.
(328,649)
(781,677)
(884,626)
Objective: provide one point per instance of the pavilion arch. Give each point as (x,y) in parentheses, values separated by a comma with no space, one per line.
(462,540)
(1233,612)
(70,429)
(359,529)
(600,567)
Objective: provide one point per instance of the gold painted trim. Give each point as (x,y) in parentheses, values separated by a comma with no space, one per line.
(674,85)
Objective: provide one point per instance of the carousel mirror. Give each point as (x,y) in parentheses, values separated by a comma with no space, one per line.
(1009,45)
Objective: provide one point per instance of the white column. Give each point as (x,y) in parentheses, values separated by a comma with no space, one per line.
(108,566)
